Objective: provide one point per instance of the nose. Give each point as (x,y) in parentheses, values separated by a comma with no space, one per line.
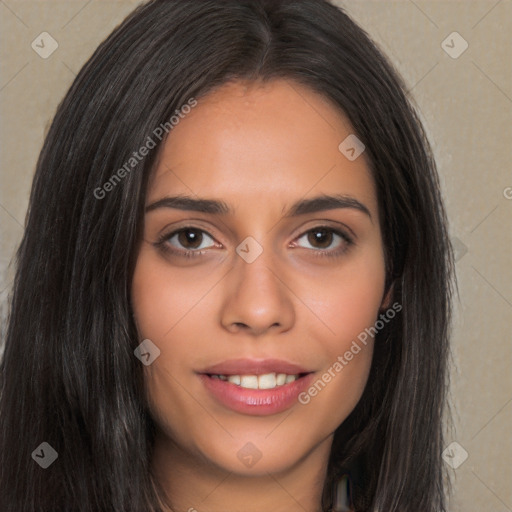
(257,299)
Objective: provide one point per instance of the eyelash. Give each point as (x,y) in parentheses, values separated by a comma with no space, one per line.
(162,244)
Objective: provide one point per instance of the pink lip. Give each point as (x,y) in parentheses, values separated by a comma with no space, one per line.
(254,367)
(256,402)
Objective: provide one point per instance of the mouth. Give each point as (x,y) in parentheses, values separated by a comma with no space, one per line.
(256,387)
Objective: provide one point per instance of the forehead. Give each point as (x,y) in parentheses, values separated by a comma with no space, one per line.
(274,141)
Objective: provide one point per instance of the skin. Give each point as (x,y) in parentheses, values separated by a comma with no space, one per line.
(259,148)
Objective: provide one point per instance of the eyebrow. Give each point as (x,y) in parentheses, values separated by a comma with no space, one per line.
(301,207)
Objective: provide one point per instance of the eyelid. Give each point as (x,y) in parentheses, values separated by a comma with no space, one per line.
(336,226)
(335,231)
(173,229)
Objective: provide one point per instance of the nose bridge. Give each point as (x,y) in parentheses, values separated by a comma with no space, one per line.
(259,273)
(258,299)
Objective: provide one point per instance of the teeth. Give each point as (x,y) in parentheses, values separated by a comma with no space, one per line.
(234,379)
(249,381)
(266,381)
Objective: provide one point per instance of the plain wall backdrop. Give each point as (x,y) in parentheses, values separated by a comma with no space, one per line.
(456,59)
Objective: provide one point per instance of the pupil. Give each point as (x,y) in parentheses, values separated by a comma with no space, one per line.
(321,237)
(190,238)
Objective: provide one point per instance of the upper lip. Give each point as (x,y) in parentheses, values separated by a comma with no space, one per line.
(254,367)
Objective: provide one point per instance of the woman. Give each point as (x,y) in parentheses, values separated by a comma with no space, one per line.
(233,290)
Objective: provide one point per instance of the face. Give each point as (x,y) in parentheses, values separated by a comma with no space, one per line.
(260,281)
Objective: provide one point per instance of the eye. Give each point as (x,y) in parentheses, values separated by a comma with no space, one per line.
(325,240)
(186,241)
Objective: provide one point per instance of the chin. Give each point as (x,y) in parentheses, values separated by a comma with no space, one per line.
(259,456)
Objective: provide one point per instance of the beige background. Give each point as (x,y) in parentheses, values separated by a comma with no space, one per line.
(466,105)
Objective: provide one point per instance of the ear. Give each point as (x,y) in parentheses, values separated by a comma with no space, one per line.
(386,301)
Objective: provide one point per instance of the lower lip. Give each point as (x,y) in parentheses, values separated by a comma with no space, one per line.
(257,402)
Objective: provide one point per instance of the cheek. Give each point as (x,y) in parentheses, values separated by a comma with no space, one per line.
(348,353)
(161,315)
(166,304)
(162,296)
(348,300)
(149,299)
(335,392)
(349,306)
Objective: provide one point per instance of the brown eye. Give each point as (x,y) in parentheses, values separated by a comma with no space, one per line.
(327,241)
(320,237)
(190,238)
